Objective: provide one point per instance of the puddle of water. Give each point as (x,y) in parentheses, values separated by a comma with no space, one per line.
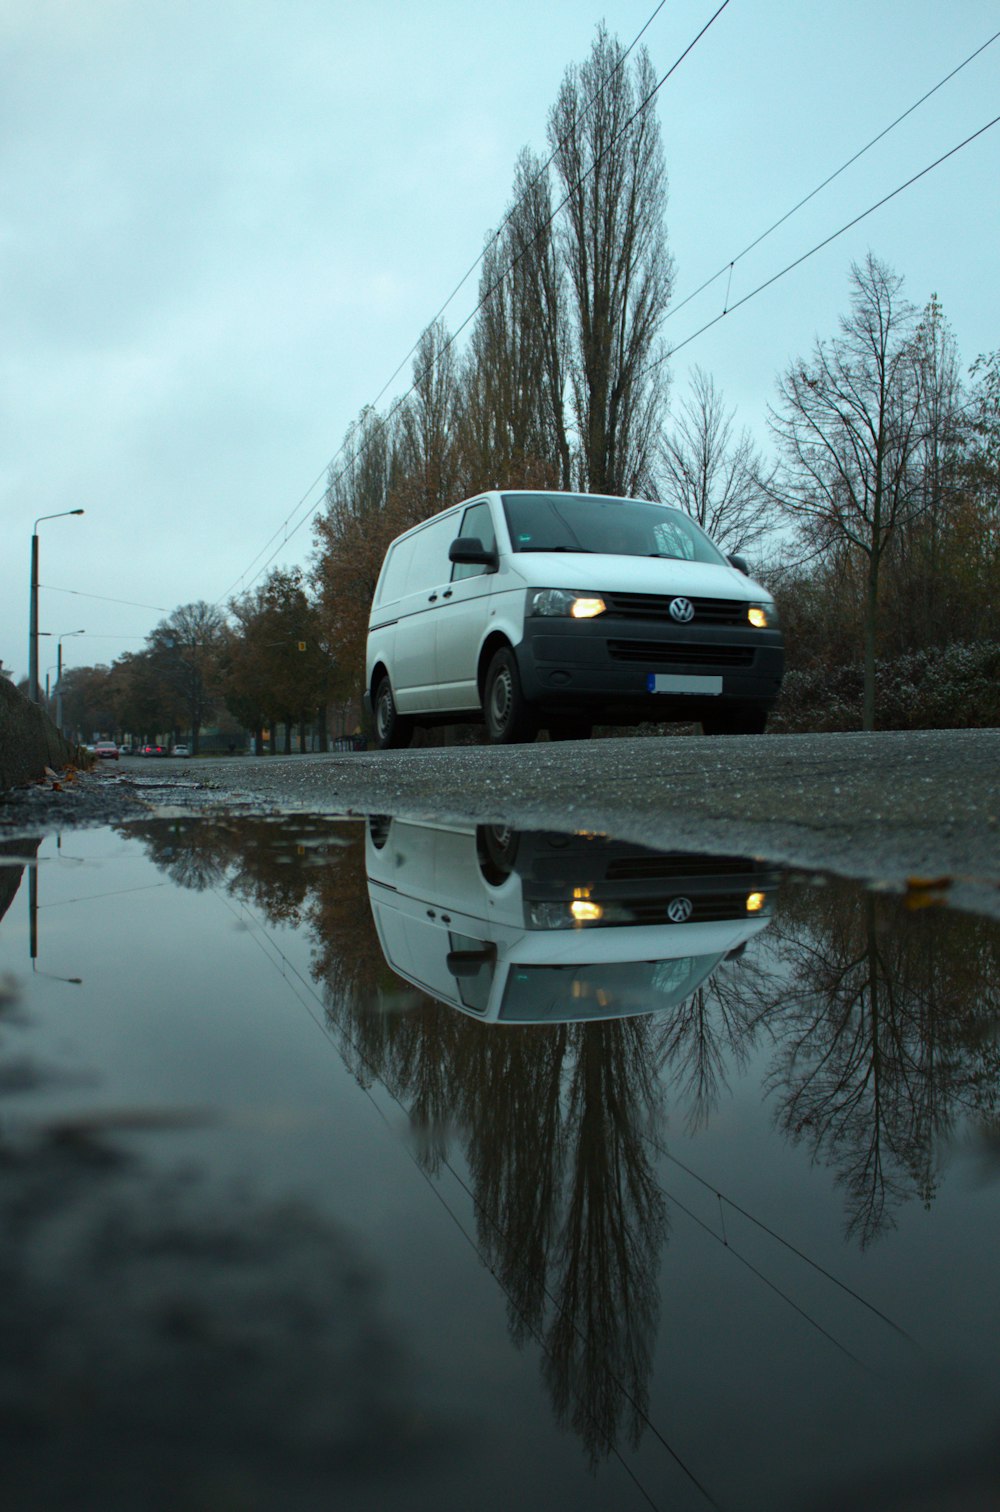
(410,1165)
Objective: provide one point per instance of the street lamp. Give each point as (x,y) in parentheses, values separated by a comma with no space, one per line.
(65,636)
(33,609)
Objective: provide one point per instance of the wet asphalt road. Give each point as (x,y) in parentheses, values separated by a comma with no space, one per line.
(884,807)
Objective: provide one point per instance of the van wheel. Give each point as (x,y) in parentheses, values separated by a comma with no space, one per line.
(391,730)
(510,719)
(496,847)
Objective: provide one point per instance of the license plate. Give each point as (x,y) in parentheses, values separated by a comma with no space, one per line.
(676,682)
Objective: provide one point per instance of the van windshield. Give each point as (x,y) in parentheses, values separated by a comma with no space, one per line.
(566,994)
(612,527)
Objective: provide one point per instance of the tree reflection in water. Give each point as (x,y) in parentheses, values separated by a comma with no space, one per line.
(568,1211)
(886,1040)
(712,1035)
(881,1040)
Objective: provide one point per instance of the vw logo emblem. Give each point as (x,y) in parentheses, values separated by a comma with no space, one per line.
(679,910)
(681,610)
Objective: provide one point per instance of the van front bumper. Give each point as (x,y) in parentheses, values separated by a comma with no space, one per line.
(628,670)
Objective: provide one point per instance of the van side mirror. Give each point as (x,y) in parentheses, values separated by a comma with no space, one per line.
(469,551)
(740,563)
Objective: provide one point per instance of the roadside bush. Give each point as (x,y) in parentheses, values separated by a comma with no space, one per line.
(951,687)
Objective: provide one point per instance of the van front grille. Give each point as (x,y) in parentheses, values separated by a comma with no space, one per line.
(644,866)
(703,910)
(656,606)
(680,654)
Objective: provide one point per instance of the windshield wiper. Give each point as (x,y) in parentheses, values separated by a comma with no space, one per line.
(576,550)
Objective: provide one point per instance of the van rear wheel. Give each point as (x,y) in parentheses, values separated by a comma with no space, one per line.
(391,730)
(510,719)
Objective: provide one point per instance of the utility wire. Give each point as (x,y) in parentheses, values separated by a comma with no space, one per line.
(104,599)
(446,346)
(518,203)
(772,1234)
(384,421)
(729,266)
(457,289)
(820,245)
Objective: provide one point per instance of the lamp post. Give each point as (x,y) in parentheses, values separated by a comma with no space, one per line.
(65,636)
(33,609)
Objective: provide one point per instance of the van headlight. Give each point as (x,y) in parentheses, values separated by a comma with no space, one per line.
(762,616)
(564,604)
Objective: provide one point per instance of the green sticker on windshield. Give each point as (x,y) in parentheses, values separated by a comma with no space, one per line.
(523,540)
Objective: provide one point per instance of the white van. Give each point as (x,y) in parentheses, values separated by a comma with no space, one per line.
(546,928)
(528,609)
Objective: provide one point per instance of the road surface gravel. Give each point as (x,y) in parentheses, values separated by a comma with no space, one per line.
(888,807)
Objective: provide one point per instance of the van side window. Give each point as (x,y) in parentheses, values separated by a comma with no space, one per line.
(477,522)
(396,571)
(429,564)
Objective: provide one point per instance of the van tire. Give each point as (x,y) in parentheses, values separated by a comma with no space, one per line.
(510,719)
(496,847)
(392,731)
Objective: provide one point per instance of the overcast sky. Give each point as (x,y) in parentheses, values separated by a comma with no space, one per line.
(223,223)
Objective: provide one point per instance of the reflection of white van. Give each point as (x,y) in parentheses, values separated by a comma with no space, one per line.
(548,928)
(528,609)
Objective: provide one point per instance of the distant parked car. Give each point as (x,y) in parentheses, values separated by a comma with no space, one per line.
(153,750)
(180,750)
(106,749)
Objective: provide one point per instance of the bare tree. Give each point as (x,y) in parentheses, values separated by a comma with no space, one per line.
(718,477)
(848,425)
(920,580)
(608,155)
(185,650)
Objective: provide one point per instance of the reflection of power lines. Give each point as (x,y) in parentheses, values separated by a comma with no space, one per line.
(308,997)
(793,1249)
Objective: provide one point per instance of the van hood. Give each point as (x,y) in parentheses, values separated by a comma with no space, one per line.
(629,574)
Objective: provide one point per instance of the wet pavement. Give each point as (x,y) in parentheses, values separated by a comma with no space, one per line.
(387,1163)
(883,808)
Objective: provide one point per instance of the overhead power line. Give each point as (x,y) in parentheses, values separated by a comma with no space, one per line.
(102,598)
(728,267)
(489,292)
(821,244)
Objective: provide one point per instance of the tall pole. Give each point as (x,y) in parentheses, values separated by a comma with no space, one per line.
(33,606)
(33,631)
(59,707)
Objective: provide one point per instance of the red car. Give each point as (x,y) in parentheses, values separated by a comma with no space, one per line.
(106,749)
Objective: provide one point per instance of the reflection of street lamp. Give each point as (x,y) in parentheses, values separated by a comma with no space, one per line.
(33,929)
(33,607)
(65,636)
